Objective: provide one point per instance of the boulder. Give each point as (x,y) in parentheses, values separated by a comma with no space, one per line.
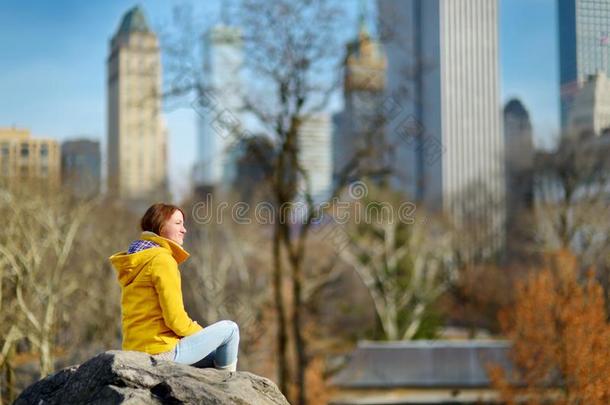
(127,377)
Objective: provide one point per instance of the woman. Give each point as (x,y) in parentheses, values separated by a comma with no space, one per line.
(154,320)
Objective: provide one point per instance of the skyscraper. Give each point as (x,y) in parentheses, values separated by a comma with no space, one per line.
(590,110)
(584,39)
(80,166)
(443,101)
(315,146)
(221,118)
(254,168)
(519,144)
(518,137)
(137,138)
(360,124)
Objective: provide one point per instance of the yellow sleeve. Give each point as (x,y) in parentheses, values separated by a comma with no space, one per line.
(166,279)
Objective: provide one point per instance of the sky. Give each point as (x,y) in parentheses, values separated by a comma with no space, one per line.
(529,62)
(53,68)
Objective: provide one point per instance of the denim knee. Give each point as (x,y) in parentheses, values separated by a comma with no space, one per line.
(232,326)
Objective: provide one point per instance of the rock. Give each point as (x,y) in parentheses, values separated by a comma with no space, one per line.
(127,377)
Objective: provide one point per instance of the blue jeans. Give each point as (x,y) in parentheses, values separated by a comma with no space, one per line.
(214,346)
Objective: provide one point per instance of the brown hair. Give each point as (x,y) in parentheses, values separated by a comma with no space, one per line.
(157,215)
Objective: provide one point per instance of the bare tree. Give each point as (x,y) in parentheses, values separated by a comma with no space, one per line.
(405,264)
(97,323)
(572,187)
(10,332)
(290,46)
(53,248)
(39,238)
(572,183)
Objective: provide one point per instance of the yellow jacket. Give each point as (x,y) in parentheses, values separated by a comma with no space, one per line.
(153,315)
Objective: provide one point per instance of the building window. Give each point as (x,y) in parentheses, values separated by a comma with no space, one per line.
(44,150)
(25,150)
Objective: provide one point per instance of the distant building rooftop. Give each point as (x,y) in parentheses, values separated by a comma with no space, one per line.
(13,133)
(516,107)
(422,364)
(134,21)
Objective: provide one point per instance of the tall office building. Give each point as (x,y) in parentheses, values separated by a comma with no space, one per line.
(23,157)
(361,123)
(590,110)
(519,146)
(81,167)
(443,100)
(315,147)
(254,169)
(220,114)
(584,39)
(137,137)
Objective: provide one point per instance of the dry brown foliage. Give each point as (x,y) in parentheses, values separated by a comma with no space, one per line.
(474,307)
(317,388)
(561,339)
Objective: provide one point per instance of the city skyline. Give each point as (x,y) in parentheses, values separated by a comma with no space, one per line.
(44,80)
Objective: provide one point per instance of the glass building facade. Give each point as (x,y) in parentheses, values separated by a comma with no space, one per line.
(584,42)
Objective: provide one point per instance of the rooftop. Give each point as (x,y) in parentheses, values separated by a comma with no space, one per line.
(422,364)
(515,106)
(12,133)
(134,21)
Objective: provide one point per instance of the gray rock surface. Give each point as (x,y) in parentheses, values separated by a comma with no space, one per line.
(125,377)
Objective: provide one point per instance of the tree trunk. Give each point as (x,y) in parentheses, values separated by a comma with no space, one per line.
(299,342)
(282,338)
(45,358)
(46,339)
(9,374)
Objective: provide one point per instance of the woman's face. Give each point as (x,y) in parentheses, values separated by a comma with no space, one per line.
(174,228)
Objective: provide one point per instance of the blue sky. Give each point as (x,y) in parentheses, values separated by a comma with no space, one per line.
(53,72)
(529,62)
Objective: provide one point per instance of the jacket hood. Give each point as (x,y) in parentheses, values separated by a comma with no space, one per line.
(128,266)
